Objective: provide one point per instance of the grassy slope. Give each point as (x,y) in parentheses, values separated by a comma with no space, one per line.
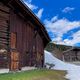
(35,75)
(51,47)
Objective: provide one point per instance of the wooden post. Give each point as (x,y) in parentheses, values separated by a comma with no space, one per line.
(63,57)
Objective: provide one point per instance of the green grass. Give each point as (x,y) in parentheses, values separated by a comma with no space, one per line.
(34,75)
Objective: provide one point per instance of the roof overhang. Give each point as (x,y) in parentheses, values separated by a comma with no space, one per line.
(21,7)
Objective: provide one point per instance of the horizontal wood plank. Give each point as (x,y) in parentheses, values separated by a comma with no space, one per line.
(4,15)
(3,7)
(3,23)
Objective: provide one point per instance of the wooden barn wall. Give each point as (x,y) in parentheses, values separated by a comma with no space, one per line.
(28,45)
(4,24)
(71,56)
(4,35)
(40,50)
(16,27)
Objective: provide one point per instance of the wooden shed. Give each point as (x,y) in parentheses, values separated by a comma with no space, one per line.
(72,55)
(22,36)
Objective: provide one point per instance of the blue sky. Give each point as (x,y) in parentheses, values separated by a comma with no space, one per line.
(55,7)
(61,19)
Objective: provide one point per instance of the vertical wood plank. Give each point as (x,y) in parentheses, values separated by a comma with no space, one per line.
(13,40)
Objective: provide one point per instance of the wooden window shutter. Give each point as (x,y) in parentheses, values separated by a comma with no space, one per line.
(13,40)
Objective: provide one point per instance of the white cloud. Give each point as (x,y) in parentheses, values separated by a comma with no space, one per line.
(68,9)
(30,5)
(55,18)
(72,42)
(39,14)
(75,40)
(61,26)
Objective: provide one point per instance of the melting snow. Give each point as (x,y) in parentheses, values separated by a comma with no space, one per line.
(73,71)
(4,71)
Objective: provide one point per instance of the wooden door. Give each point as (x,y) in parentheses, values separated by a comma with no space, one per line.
(14,53)
(14,60)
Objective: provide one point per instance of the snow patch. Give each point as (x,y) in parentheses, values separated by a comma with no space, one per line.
(4,71)
(73,71)
(27,68)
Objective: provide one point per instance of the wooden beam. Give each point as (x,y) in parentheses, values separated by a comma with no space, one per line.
(68,50)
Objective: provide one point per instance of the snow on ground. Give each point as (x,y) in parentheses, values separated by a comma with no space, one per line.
(73,71)
(27,68)
(4,71)
(23,69)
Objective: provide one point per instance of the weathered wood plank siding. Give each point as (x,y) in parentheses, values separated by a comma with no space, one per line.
(28,44)
(21,33)
(40,50)
(4,36)
(16,25)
